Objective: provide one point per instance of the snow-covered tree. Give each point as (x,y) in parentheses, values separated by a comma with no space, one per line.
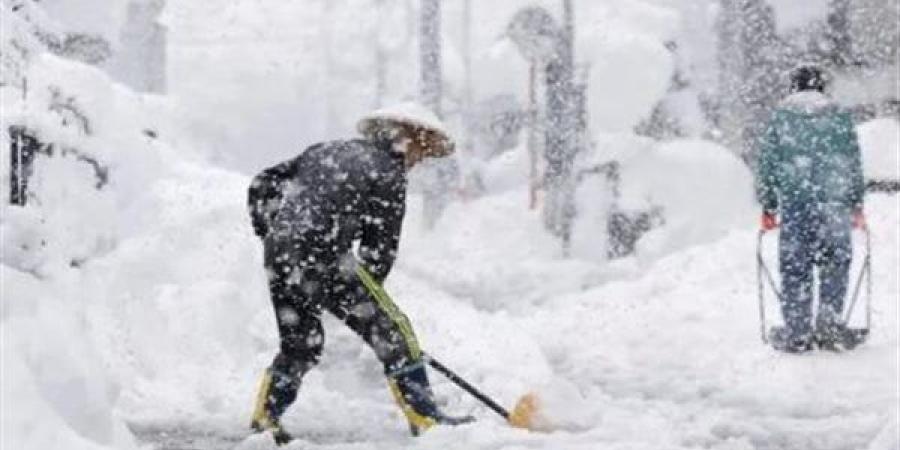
(874,31)
(752,62)
(544,42)
(442,174)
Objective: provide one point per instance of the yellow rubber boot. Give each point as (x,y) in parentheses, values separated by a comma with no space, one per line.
(262,419)
(417,422)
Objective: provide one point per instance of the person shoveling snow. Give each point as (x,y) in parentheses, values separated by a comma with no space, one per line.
(309,211)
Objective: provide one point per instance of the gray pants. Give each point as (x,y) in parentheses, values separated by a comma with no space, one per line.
(814,237)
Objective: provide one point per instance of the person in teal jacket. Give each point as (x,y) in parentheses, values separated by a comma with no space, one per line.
(810,176)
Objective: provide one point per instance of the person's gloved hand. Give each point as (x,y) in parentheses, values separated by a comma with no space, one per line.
(768,221)
(260,224)
(859,219)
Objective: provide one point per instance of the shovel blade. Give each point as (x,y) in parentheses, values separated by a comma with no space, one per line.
(524,413)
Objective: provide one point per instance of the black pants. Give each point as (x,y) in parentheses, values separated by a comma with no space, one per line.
(303,283)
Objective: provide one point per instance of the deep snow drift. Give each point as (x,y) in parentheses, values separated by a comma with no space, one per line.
(165,322)
(658,355)
(145,303)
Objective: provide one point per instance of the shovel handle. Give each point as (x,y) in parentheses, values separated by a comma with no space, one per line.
(459,381)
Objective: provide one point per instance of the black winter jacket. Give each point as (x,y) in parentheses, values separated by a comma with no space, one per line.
(331,195)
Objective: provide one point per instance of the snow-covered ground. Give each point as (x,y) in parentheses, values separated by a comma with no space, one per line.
(137,316)
(631,355)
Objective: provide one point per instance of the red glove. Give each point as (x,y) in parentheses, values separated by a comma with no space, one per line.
(859,219)
(768,222)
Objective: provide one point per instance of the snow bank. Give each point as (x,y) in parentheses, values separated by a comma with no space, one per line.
(185,312)
(56,392)
(703,189)
(676,350)
(507,171)
(629,67)
(59,350)
(880,142)
(629,75)
(100,136)
(166,322)
(889,437)
(490,275)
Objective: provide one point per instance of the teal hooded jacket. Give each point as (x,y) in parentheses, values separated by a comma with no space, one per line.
(809,157)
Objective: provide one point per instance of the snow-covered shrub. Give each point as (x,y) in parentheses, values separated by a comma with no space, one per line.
(93,187)
(703,191)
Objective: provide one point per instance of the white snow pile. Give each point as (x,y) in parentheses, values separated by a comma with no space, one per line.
(880,141)
(56,392)
(61,382)
(630,68)
(144,302)
(703,189)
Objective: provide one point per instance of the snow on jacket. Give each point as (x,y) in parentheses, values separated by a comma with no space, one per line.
(330,195)
(809,155)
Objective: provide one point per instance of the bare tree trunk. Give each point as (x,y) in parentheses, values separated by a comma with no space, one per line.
(380,56)
(442,172)
(751,59)
(569,30)
(562,115)
(533,133)
(543,41)
(467,68)
(730,65)
(430,54)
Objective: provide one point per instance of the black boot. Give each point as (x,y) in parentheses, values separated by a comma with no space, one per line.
(276,392)
(835,336)
(412,392)
(784,340)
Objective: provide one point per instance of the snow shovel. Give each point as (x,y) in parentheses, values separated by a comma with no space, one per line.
(523,414)
(865,274)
